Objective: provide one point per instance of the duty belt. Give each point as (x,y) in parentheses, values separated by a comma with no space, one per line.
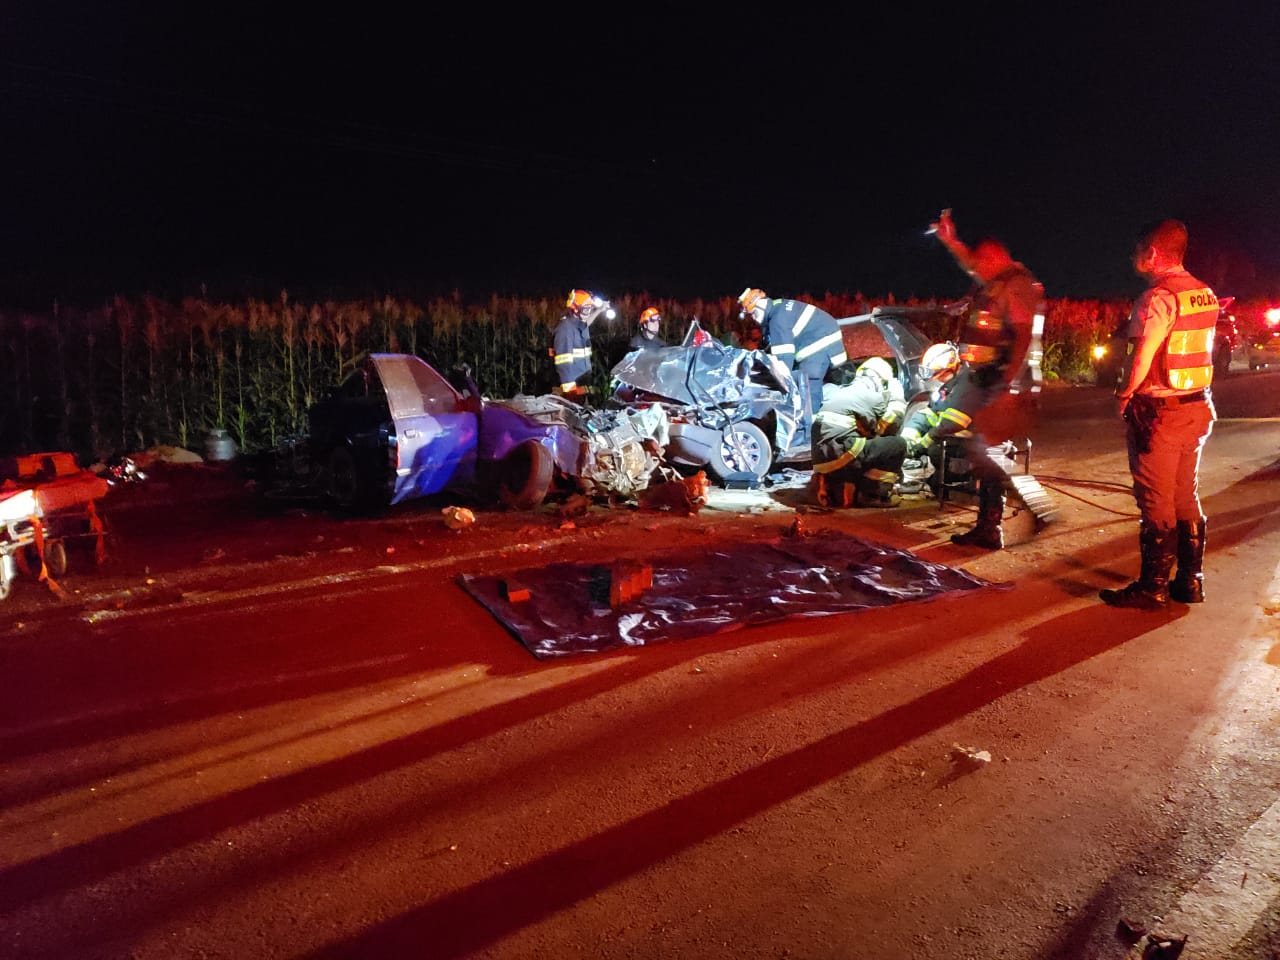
(1175,399)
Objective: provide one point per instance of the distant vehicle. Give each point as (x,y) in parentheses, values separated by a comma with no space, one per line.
(1226,337)
(736,411)
(396,430)
(1264,346)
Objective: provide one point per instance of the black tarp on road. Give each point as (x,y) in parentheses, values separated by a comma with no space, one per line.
(710,591)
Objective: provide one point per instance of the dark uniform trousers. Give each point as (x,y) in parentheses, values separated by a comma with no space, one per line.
(1165,441)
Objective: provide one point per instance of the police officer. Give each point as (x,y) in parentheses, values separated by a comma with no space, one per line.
(1164,399)
(800,335)
(854,447)
(647,337)
(571,342)
(993,395)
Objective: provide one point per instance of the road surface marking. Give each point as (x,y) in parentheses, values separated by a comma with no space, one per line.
(196,599)
(1228,900)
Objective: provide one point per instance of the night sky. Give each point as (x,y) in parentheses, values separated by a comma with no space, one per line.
(680,154)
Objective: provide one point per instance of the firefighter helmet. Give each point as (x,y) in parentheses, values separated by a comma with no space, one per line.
(878,367)
(581,301)
(750,299)
(651,313)
(587,306)
(940,360)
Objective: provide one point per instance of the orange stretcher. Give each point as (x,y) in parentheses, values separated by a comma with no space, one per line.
(46,499)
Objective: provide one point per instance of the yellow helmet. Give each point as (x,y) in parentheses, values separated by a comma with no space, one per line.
(877,366)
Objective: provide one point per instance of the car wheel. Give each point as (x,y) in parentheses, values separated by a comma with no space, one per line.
(344,486)
(55,558)
(8,573)
(527,472)
(743,449)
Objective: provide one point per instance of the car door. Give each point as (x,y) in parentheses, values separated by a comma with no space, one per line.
(435,436)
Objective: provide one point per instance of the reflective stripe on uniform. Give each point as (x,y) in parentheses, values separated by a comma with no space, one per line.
(805,315)
(817,345)
(976,353)
(958,417)
(835,419)
(1191,341)
(782,349)
(563,358)
(844,459)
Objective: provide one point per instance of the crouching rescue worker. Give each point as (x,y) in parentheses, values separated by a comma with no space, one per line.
(803,337)
(857,458)
(571,343)
(993,395)
(1164,399)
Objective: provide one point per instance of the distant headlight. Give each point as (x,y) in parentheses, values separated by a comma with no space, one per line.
(1099,352)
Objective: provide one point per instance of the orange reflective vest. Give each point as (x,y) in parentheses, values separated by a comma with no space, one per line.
(1187,358)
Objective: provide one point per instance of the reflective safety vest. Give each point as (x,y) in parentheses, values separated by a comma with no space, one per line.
(1186,362)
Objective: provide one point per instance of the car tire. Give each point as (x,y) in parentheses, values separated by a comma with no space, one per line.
(756,454)
(526,476)
(343,479)
(55,559)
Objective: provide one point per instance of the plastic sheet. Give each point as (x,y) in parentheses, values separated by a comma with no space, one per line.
(696,593)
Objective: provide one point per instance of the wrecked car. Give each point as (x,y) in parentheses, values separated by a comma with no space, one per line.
(737,411)
(729,410)
(395,429)
(897,333)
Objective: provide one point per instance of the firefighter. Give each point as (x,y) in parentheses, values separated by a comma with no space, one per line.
(993,395)
(1164,398)
(571,342)
(647,337)
(855,448)
(800,335)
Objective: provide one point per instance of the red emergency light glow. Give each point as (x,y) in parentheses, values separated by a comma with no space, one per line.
(1273,316)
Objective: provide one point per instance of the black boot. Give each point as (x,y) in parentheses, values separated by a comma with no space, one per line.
(1151,590)
(986,533)
(1188,585)
(875,493)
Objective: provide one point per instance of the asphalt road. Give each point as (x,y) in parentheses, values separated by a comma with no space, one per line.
(276,736)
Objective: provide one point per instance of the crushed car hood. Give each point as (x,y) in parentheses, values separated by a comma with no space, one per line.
(720,374)
(723,382)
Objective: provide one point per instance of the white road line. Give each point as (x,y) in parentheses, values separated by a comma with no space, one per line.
(1228,900)
(194,600)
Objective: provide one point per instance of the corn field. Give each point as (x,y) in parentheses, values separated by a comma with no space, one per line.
(132,374)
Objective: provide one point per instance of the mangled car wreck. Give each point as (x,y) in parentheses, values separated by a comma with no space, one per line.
(397,430)
(730,410)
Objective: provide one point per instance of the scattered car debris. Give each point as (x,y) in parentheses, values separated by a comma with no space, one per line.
(458,518)
(970,756)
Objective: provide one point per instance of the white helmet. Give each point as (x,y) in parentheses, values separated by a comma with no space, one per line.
(940,359)
(877,367)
